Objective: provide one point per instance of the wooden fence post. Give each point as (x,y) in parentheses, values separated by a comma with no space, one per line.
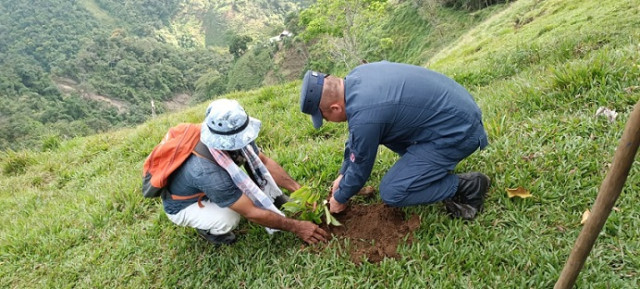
(607,196)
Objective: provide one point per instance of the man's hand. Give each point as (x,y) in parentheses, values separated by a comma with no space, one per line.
(336,183)
(307,231)
(310,232)
(336,207)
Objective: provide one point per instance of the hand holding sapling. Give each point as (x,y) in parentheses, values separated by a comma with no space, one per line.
(304,202)
(335,206)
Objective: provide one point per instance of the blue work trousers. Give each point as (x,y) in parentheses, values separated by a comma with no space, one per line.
(423,175)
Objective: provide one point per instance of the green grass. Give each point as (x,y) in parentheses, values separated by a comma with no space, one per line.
(420,32)
(73,216)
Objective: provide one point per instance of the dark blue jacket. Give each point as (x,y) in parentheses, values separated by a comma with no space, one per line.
(398,105)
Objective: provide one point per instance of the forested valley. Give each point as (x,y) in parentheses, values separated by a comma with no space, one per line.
(73,68)
(78,67)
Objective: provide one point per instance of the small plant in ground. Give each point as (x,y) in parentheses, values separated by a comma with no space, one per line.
(306,205)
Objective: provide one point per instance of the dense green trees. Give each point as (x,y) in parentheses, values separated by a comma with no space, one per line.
(349,32)
(144,17)
(238,45)
(72,68)
(37,38)
(249,70)
(140,69)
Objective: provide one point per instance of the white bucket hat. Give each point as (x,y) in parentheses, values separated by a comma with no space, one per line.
(227,126)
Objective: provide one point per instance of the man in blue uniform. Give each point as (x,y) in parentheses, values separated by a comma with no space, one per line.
(431,121)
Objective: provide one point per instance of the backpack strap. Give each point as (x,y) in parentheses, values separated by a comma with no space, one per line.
(202,151)
(183,198)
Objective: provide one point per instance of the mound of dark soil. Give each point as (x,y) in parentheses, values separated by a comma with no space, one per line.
(374,231)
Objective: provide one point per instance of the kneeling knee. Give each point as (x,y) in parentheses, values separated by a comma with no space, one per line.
(392,197)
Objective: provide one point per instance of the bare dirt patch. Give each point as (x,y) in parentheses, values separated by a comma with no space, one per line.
(373,231)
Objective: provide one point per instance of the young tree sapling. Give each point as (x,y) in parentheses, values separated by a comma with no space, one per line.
(304,204)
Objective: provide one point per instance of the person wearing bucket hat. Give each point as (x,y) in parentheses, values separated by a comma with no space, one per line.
(227,126)
(211,193)
(428,119)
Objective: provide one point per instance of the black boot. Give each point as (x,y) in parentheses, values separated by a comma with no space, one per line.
(469,198)
(224,239)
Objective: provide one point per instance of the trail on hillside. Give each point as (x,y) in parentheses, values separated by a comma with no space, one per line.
(68,86)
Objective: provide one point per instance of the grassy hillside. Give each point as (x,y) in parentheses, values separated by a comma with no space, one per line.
(73,216)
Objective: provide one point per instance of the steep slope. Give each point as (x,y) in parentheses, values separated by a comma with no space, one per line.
(73,216)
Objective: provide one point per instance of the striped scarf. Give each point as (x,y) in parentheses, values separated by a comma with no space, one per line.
(261,196)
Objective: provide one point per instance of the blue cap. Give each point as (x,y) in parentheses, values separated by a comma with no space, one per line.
(310,96)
